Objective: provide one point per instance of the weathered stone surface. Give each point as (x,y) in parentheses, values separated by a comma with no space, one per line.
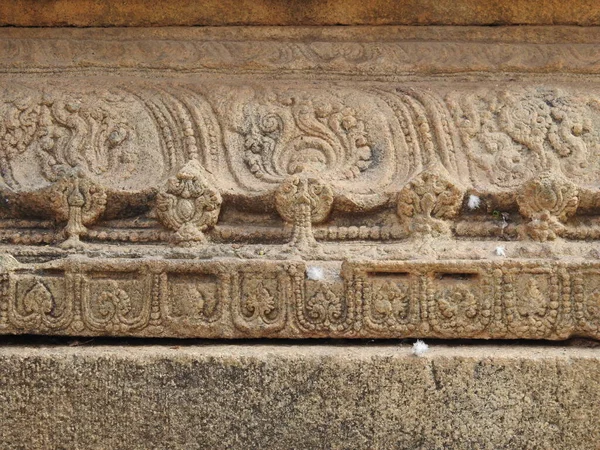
(207,396)
(297,12)
(381,182)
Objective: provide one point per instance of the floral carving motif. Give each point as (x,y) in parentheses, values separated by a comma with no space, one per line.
(63,133)
(114,305)
(303,201)
(189,205)
(325,310)
(532,303)
(391,300)
(78,202)
(38,300)
(524,132)
(260,302)
(547,201)
(324,137)
(40,303)
(457,308)
(389,306)
(427,200)
(586,296)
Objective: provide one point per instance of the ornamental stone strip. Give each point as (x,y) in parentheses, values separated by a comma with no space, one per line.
(229,298)
(291,183)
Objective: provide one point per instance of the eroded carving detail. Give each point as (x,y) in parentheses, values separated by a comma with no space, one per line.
(547,202)
(532,303)
(62,133)
(426,201)
(115,304)
(463,171)
(391,304)
(388,299)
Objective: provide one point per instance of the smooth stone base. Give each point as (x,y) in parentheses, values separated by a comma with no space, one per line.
(239,396)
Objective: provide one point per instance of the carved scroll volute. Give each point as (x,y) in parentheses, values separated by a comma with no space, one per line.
(303,201)
(547,201)
(77,201)
(189,204)
(427,202)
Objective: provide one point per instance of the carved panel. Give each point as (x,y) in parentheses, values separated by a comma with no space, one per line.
(260,298)
(46,132)
(391,302)
(40,302)
(193,301)
(586,301)
(532,301)
(116,302)
(459,302)
(326,307)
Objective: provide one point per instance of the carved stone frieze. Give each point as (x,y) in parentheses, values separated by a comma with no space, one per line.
(229,298)
(329,186)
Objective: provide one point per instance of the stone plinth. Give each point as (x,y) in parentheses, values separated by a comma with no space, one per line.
(241,396)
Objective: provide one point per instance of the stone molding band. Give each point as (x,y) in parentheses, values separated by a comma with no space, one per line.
(227,183)
(354,52)
(227,298)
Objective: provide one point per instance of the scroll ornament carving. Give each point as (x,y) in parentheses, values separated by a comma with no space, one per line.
(547,201)
(389,305)
(427,201)
(515,135)
(63,132)
(260,303)
(510,298)
(301,156)
(114,306)
(39,304)
(324,137)
(325,310)
(189,205)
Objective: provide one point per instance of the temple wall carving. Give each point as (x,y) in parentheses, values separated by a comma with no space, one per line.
(189,184)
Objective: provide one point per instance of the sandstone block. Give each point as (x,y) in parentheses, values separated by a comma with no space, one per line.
(241,396)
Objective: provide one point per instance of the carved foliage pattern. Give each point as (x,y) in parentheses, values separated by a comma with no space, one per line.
(387,299)
(361,148)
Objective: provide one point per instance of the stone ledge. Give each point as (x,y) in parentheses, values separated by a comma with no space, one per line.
(85,13)
(299,396)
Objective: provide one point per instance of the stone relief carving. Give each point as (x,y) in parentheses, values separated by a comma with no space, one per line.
(189,204)
(266,298)
(194,206)
(426,200)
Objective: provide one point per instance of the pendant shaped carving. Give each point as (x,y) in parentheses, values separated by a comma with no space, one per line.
(303,201)
(77,201)
(427,202)
(189,205)
(547,202)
